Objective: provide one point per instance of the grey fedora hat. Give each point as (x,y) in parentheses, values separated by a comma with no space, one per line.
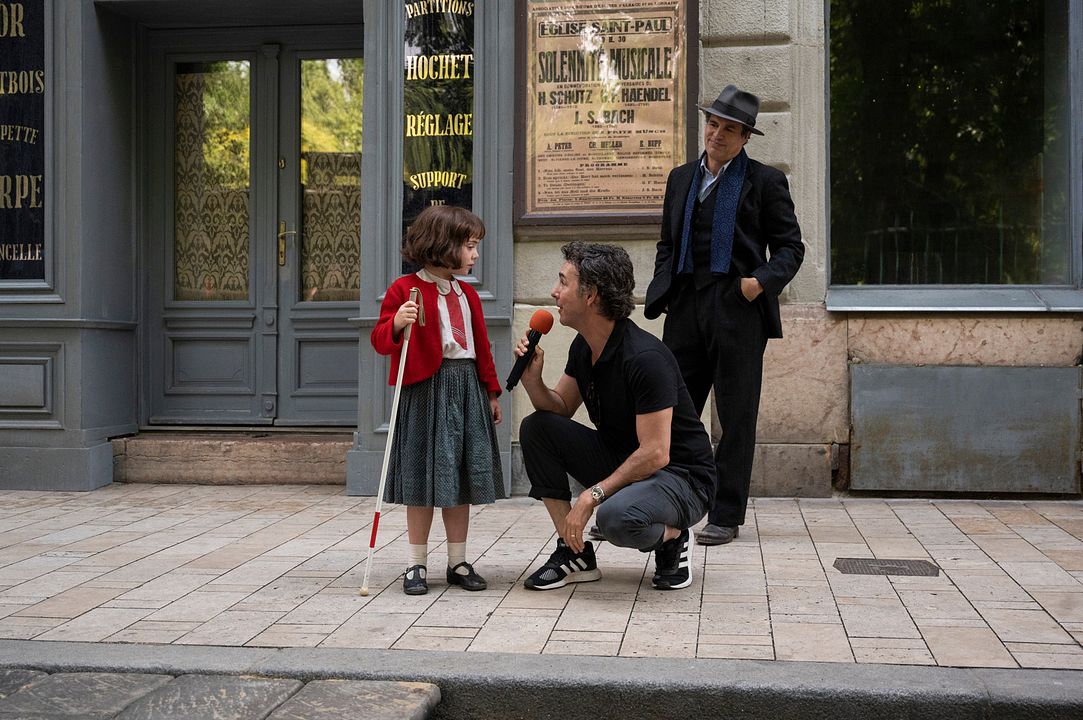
(737,105)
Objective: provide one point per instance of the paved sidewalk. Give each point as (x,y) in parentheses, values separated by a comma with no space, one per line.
(280,567)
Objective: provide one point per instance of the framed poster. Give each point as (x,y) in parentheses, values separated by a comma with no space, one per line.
(604,108)
(22,141)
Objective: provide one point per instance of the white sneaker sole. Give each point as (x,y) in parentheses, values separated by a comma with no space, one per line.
(576,577)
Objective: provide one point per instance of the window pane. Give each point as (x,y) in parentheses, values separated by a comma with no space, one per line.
(438,111)
(211,181)
(949,142)
(331,92)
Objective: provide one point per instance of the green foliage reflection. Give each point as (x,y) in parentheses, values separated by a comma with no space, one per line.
(948,146)
(226,126)
(331,105)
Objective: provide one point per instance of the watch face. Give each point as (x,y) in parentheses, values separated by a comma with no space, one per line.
(597,493)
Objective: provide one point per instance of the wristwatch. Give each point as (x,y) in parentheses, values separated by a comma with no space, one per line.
(598,494)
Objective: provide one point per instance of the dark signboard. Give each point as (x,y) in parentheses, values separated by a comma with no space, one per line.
(22,141)
(438,105)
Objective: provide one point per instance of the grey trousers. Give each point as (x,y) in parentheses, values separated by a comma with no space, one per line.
(555,447)
(637,515)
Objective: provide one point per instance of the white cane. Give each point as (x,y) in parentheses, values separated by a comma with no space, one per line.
(414,292)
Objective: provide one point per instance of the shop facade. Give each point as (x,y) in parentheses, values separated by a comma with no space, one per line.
(201,205)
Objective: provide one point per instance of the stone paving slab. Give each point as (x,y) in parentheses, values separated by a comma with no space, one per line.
(15,679)
(213,697)
(79,696)
(36,695)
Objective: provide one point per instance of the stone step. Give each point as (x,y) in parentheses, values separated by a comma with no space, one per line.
(232,458)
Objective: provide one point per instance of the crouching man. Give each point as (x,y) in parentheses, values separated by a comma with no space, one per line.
(648,467)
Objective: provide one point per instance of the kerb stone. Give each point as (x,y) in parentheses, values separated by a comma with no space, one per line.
(370,699)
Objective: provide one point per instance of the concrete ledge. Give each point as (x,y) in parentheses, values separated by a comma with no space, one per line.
(232,458)
(535,686)
(56,468)
(363,471)
(780,469)
(791,470)
(520,483)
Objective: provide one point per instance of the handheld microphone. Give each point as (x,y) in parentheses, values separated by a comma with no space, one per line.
(541,322)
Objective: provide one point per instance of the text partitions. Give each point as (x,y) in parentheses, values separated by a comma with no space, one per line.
(22,142)
(438,105)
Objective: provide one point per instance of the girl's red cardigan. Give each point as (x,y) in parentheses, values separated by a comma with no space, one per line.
(426,353)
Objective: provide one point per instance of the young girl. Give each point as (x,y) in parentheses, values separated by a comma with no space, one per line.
(444,453)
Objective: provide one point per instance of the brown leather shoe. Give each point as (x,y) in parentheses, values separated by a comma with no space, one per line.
(716,535)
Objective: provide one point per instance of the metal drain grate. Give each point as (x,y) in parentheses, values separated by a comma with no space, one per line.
(882,566)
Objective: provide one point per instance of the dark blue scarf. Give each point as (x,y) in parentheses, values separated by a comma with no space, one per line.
(725,214)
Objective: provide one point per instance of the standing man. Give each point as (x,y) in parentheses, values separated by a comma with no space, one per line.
(730,243)
(647,467)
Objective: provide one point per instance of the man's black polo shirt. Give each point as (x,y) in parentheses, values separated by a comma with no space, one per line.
(636,375)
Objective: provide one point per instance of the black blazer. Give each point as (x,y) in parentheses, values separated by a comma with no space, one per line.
(765,222)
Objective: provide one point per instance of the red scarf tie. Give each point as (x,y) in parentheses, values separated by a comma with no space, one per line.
(455,314)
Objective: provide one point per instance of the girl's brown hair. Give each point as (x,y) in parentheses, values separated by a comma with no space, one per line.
(435,236)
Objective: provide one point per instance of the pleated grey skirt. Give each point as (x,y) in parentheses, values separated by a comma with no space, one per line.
(444,452)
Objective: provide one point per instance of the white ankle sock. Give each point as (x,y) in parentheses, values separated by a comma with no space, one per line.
(456,553)
(419,554)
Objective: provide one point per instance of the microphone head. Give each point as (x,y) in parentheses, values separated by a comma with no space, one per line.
(542,321)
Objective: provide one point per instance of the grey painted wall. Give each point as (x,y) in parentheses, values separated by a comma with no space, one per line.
(76,341)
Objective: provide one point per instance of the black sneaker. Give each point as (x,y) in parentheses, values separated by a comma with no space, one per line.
(413,581)
(565,566)
(673,563)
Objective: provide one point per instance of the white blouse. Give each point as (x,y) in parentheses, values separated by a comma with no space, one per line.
(451,291)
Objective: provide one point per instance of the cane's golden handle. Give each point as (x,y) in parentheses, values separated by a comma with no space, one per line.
(415,297)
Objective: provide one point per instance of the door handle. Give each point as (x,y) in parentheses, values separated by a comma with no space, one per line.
(282,233)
